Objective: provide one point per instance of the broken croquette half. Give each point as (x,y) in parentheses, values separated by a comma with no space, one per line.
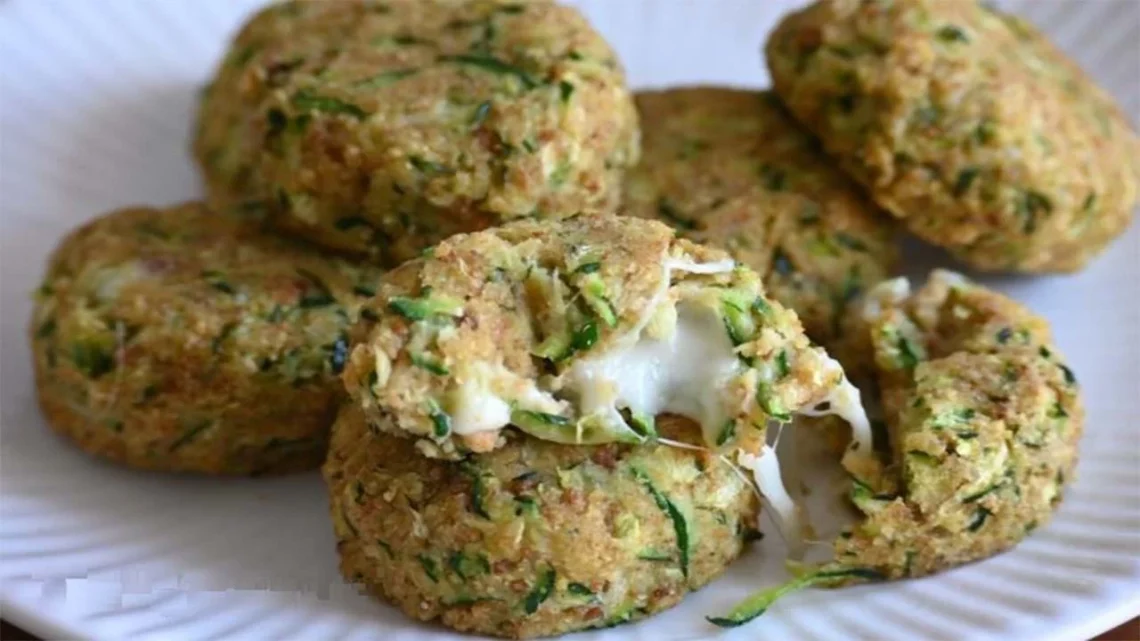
(539,324)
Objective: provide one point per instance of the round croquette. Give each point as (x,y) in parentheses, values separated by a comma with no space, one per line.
(966,124)
(185,340)
(581,331)
(536,538)
(381,128)
(732,169)
(984,419)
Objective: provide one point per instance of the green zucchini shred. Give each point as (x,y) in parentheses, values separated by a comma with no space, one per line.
(979,519)
(727,432)
(494,65)
(1058,411)
(758,603)
(417,309)
(951,33)
(385,79)
(541,591)
(651,554)
(560,174)
(761,306)
(979,495)
(308,101)
(319,295)
(429,363)
(680,525)
(579,589)
(526,506)
(218,281)
(956,417)
(565,91)
(965,179)
(584,337)
(93,358)
(541,424)
(440,420)
(768,402)
(783,368)
(737,321)
(429,167)
(468,567)
(431,568)
(482,111)
(190,434)
(555,347)
(644,424)
(922,457)
(478,492)
(593,291)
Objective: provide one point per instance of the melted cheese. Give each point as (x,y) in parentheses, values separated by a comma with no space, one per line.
(766,472)
(889,292)
(650,375)
(682,373)
(484,399)
(109,281)
(475,408)
(845,402)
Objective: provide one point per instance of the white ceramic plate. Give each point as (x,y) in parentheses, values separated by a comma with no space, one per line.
(96,101)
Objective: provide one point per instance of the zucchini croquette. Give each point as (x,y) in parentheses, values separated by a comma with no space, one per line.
(381,128)
(581,331)
(187,340)
(966,123)
(535,538)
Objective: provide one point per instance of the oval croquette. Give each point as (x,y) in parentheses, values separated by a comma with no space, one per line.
(184,340)
(581,331)
(536,538)
(966,123)
(381,128)
(984,418)
(732,169)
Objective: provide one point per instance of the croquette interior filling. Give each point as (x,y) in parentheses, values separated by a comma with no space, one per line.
(683,372)
(681,367)
(678,359)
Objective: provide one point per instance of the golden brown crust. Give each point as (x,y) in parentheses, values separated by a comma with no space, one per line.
(536,538)
(381,128)
(966,124)
(185,340)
